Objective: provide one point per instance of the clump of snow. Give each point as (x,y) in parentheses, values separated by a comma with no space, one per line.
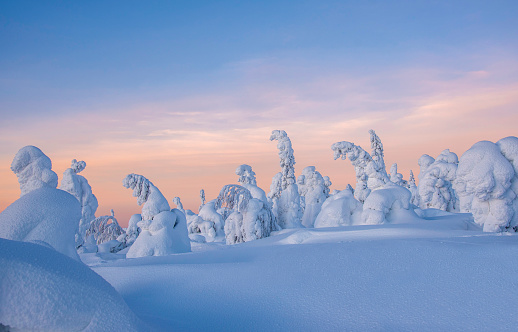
(46,215)
(284,195)
(248,218)
(487,183)
(313,192)
(147,194)
(340,209)
(78,186)
(104,229)
(435,184)
(43,290)
(33,169)
(383,201)
(165,234)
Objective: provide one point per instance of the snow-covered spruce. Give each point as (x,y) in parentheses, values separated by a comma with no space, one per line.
(435,184)
(247,179)
(147,194)
(487,184)
(33,169)
(210,215)
(178,203)
(132,232)
(202,198)
(384,200)
(413,190)
(43,290)
(248,218)
(397,178)
(284,196)
(340,209)
(78,186)
(313,192)
(162,231)
(104,229)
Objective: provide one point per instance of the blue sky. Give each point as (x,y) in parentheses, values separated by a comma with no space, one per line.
(177,89)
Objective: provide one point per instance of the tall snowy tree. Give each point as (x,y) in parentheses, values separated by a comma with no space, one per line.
(284,195)
(313,192)
(413,189)
(147,194)
(78,186)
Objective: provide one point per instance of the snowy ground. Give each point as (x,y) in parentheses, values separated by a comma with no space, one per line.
(443,273)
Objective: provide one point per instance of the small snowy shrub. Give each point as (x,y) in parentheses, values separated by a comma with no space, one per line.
(104,229)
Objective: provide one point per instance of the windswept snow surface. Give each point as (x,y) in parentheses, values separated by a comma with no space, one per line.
(441,273)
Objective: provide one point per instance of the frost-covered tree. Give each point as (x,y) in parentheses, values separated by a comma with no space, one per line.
(132,232)
(215,220)
(248,218)
(43,214)
(247,179)
(284,196)
(327,184)
(424,162)
(377,153)
(369,174)
(178,203)
(147,194)
(162,231)
(396,177)
(202,198)
(33,169)
(313,192)
(435,184)
(413,189)
(487,184)
(340,209)
(104,229)
(78,186)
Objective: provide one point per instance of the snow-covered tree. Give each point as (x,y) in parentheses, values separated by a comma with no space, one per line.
(210,215)
(396,177)
(424,162)
(435,184)
(33,169)
(147,194)
(132,232)
(247,179)
(340,209)
(248,218)
(284,196)
(327,185)
(413,189)
(162,231)
(104,229)
(377,153)
(78,186)
(178,203)
(487,184)
(202,198)
(313,192)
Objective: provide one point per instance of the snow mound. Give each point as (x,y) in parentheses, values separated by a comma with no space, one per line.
(33,169)
(46,214)
(383,201)
(43,290)
(165,234)
(340,209)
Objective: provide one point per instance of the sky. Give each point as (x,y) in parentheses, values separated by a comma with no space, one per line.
(183,92)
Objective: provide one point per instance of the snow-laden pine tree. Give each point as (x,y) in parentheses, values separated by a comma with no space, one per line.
(248,218)
(340,209)
(313,192)
(435,184)
(104,229)
(78,186)
(33,169)
(202,198)
(413,189)
(178,203)
(396,177)
(247,179)
(163,231)
(487,184)
(284,196)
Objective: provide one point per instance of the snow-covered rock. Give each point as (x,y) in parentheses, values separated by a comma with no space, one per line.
(340,209)
(46,214)
(33,169)
(78,186)
(165,234)
(487,183)
(43,290)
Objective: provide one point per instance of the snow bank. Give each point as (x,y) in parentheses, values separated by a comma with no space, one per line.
(45,214)
(165,234)
(43,290)
(340,209)
(487,183)
(33,169)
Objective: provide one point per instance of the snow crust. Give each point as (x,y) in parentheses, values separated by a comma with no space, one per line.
(43,290)
(45,215)
(33,169)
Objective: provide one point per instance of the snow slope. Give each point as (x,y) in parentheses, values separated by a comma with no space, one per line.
(439,274)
